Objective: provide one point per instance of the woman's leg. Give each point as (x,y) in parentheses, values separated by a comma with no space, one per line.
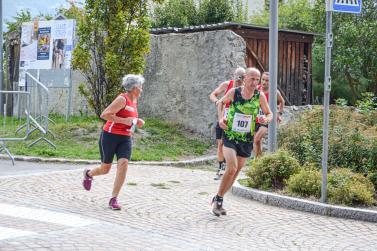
(120,176)
(103,169)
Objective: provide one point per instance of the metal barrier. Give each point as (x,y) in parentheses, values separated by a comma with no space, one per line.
(25,111)
(19,104)
(39,109)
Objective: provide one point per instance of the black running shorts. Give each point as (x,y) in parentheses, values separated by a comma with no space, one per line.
(257,126)
(243,149)
(219,131)
(111,144)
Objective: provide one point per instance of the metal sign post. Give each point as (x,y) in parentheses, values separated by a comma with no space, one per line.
(339,6)
(273,65)
(1,58)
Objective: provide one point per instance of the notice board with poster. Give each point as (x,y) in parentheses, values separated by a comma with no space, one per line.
(47,44)
(46,53)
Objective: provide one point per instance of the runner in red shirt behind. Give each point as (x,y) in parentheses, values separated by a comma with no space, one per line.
(115,139)
(261,129)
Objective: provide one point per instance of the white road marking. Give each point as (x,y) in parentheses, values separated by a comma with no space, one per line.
(6,233)
(44,215)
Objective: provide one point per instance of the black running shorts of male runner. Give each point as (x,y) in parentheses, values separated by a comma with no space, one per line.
(111,144)
(243,149)
(257,126)
(219,131)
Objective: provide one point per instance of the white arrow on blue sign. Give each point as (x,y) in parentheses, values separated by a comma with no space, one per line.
(348,6)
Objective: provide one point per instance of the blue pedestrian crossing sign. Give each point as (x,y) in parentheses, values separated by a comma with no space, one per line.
(348,6)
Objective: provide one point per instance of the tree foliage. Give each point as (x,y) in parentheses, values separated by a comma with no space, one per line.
(355,49)
(180,13)
(215,11)
(354,52)
(114,39)
(21,17)
(176,13)
(293,14)
(74,11)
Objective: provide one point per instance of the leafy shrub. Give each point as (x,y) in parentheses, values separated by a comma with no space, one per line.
(307,182)
(271,171)
(341,102)
(367,103)
(352,138)
(348,188)
(373,178)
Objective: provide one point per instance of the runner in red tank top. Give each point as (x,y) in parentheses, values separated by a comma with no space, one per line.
(221,90)
(122,118)
(261,129)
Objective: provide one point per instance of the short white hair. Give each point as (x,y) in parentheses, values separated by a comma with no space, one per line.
(239,73)
(252,69)
(130,81)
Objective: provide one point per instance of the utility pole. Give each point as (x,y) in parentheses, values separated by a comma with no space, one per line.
(326,101)
(1,57)
(273,66)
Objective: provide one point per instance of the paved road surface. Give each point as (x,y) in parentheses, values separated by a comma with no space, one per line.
(43,207)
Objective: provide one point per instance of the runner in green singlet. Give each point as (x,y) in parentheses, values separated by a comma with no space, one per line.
(239,130)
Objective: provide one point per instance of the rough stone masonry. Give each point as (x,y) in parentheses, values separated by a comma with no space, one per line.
(183,69)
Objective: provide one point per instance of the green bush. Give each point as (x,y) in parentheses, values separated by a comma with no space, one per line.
(373,178)
(272,171)
(341,102)
(348,188)
(367,103)
(352,138)
(306,183)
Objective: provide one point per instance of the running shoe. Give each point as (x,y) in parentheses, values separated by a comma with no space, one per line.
(87,180)
(223,168)
(113,204)
(218,175)
(217,207)
(220,172)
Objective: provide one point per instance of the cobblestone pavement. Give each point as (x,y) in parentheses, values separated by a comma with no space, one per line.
(164,208)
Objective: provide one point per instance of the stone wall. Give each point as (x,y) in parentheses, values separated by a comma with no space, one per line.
(182,70)
(58,99)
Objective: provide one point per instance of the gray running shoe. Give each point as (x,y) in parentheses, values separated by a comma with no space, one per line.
(223,168)
(218,175)
(217,207)
(220,172)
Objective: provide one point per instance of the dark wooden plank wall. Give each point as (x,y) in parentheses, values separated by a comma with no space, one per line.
(294,66)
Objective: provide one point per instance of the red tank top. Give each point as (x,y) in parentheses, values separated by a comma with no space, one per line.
(230,86)
(128,111)
(259,87)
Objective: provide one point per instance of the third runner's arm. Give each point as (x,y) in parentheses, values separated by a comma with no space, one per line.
(220,107)
(281,104)
(218,91)
(265,108)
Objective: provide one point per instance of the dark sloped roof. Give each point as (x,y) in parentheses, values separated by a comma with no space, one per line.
(219,26)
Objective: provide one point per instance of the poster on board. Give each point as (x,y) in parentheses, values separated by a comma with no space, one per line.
(47,44)
(44,37)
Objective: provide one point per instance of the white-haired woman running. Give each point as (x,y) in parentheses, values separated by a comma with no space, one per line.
(121,119)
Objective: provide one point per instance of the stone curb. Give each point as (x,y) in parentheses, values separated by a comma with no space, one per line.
(181,163)
(304,205)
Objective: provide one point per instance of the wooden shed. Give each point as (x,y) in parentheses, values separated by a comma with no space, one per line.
(295,56)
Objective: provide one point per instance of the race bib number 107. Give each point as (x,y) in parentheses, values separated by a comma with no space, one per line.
(242,122)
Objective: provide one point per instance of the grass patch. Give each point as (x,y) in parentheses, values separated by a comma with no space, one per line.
(203,193)
(174,181)
(244,182)
(132,183)
(78,139)
(159,185)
